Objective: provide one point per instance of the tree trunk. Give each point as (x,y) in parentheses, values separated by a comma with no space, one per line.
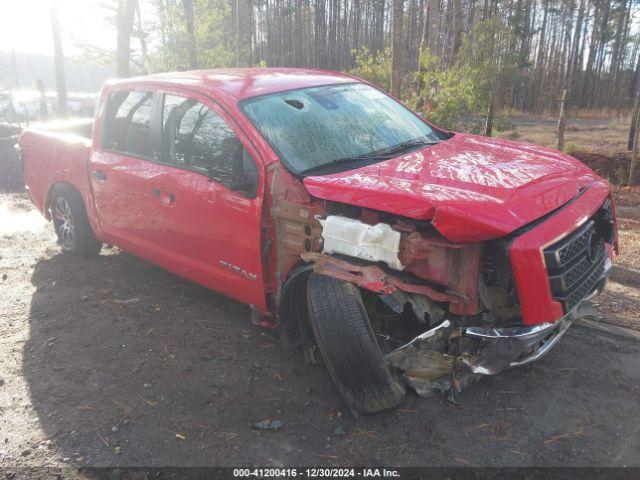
(633,180)
(424,42)
(634,123)
(14,66)
(432,25)
(488,127)
(396,47)
(44,112)
(540,60)
(320,32)
(243,33)
(162,15)
(456,29)
(634,87)
(575,54)
(142,37)
(58,56)
(191,34)
(124,25)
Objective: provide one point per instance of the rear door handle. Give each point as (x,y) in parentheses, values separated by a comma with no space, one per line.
(165,198)
(100,175)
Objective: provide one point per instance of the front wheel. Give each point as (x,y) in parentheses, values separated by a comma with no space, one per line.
(71,223)
(349,347)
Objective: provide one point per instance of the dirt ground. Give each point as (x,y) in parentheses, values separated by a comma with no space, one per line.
(592,134)
(113,361)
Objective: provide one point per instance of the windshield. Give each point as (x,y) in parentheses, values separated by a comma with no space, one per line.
(320,126)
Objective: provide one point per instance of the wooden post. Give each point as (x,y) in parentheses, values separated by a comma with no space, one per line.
(562,120)
(44,112)
(633,180)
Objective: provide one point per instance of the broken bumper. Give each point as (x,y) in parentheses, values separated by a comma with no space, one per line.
(510,347)
(504,348)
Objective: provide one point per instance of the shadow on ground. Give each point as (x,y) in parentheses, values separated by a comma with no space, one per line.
(127,364)
(10,168)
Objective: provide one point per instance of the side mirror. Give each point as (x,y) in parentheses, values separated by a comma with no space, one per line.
(245,175)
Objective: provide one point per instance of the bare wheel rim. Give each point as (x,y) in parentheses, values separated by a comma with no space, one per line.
(61,212)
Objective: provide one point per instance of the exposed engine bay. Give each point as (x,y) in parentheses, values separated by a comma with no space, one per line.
(443,313)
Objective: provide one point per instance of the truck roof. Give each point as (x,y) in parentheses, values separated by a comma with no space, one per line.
(241,83)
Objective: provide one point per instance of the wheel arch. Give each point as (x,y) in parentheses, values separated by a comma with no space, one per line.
(52,188)
(85,242)
(292,310)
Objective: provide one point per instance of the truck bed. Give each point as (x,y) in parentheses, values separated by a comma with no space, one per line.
(81,127)
(56,152)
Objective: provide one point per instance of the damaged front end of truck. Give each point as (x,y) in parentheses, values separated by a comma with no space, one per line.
(442,313)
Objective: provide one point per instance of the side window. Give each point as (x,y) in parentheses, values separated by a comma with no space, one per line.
(127,122)
(197,138)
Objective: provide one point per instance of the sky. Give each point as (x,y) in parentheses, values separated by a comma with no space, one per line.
(25,26)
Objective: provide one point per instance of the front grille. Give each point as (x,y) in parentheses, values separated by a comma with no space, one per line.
(569,248)
(575,264)
(585,287)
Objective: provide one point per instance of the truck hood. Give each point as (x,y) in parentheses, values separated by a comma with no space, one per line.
(471,188)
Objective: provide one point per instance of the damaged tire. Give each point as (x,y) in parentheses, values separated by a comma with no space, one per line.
(349,347)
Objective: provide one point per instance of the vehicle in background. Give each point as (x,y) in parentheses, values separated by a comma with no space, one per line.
(408,255)
(24,105)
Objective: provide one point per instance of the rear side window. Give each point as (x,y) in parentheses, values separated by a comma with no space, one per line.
(197,138)
(127,123)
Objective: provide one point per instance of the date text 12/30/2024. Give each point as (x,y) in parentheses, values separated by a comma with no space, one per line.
(315,473)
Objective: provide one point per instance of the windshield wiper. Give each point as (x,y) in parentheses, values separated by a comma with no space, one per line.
(335,162)
(404,146)
(378,155)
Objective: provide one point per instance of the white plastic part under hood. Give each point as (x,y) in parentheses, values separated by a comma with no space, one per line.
(375,243)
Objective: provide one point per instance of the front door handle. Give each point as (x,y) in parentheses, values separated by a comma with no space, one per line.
(99,175)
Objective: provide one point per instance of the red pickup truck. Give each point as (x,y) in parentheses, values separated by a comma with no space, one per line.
(408,255)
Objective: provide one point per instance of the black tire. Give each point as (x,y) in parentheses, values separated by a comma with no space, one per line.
(70,221)
(348,345)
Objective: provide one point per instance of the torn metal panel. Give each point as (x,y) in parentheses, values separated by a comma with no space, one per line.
(295,228)
(421,339)
(372,277)
(426,371)
(422,306)
(424,367)
(455,266)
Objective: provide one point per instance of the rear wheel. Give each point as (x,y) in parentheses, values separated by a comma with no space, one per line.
(349,347)
(71,223)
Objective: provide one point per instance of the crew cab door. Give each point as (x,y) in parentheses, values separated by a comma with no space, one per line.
(208,199)
(120,167)
(165,185)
